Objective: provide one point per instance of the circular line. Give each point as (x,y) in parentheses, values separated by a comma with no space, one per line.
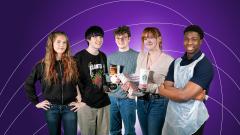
(135,25)
(101,5)
(18,116)
(220,82)
(11,99)
(40,129)
(228,110)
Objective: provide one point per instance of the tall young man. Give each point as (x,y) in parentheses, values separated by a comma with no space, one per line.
(188,76)
(93,117)
(122,107)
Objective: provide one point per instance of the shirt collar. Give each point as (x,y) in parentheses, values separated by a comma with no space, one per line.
(195,56)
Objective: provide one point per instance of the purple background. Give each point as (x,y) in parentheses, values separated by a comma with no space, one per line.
(24,27)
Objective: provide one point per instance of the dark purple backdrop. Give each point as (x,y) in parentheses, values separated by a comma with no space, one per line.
(24,27)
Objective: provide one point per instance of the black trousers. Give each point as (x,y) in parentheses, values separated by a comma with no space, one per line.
(200,130)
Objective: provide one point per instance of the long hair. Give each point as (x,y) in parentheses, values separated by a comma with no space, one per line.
(70,72)
(156,34)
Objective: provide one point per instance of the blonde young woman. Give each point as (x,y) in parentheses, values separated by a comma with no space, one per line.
(58,75)
(151,108)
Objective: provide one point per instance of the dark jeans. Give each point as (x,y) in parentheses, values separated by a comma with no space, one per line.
(61,113)
(122,110)
(151,114)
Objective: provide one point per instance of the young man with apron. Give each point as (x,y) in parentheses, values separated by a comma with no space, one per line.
(186,81)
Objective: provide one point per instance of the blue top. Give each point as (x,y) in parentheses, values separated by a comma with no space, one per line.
(203,71)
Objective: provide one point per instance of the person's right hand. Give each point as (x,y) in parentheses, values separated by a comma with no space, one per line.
(142,86)
(43,105)
(115,79)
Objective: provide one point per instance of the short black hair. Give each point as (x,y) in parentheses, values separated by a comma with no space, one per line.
(94,31)
(195,28)
(122,30)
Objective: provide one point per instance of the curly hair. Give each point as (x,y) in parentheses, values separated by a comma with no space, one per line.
(195,28)
(122,30)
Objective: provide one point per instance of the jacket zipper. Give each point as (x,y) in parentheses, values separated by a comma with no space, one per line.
(61,80)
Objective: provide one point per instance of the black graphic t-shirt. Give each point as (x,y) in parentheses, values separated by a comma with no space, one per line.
(92,77)
(96,73)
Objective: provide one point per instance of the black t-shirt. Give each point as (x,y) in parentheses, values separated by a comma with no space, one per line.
(203,71)
(92,69)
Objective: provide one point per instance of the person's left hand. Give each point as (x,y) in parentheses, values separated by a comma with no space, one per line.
(201,95)
(76,106)
(78,98)
(125,86)
(158,90)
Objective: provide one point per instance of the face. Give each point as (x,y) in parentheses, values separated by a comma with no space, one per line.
(60,44)
(95,42)
(192,42)
(122,41)
(151,43)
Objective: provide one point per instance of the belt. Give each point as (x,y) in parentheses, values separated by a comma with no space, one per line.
(150,96)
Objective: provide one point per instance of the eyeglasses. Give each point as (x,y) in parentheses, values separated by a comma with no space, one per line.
(122,38)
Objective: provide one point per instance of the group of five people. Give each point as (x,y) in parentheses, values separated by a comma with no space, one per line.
(77,90)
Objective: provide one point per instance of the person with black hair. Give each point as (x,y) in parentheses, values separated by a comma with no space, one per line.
(187,79)
(93,117)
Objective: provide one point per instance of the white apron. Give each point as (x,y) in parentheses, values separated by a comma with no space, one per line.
(184,118)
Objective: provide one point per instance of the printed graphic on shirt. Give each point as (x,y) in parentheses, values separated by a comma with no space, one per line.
(96,73)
